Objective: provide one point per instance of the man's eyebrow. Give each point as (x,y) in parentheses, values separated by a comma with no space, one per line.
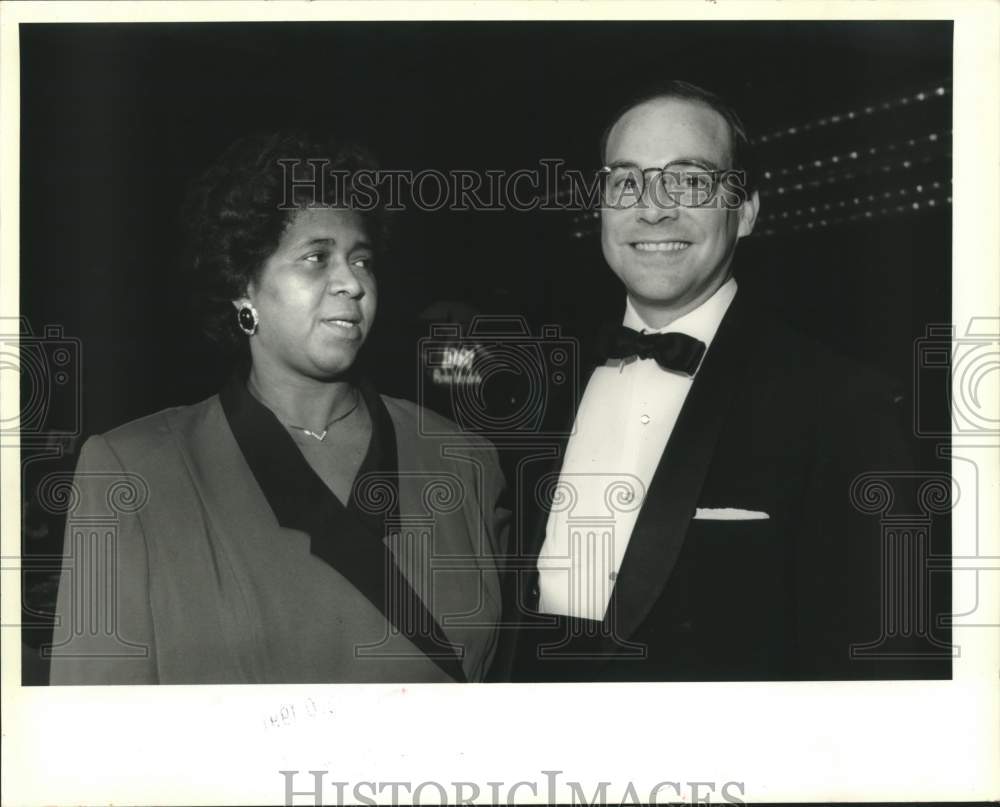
(698,161)
(622,164)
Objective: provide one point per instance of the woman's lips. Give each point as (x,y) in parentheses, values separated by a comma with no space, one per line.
(346,327)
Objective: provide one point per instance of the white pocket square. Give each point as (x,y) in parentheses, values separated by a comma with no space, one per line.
(729,514)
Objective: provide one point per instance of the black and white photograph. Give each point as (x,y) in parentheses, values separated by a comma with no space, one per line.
(612,365)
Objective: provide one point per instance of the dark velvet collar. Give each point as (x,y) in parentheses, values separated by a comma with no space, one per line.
(349,538)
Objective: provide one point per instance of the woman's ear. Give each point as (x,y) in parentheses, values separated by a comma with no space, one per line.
(245,298)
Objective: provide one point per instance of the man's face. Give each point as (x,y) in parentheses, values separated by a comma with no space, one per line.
(671,258)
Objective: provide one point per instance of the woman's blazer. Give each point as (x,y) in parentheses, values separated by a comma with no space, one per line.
(202,548)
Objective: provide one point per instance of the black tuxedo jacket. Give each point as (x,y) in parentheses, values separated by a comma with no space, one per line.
(773,423)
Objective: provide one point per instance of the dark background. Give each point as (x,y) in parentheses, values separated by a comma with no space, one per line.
(116,119)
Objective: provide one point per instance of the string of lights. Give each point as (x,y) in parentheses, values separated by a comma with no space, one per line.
(866,215)
(932,93)
(863,200)
(864,172)
(859,154)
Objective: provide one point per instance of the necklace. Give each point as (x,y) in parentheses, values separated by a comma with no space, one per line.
(321,436)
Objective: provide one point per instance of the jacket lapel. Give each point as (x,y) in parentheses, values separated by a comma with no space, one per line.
(670,502)
(349,539)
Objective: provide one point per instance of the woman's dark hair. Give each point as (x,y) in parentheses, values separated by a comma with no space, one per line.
(235,213)
(744,156)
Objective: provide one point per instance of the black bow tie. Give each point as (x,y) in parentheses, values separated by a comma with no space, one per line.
(672,351)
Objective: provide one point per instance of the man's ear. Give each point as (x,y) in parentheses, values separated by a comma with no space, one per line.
(748,215)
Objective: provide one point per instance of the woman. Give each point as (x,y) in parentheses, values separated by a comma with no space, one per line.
(296,527)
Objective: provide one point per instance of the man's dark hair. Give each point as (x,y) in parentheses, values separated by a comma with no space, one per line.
(236,212)
(744,157)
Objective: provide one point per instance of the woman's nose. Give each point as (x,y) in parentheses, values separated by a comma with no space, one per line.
(343,280)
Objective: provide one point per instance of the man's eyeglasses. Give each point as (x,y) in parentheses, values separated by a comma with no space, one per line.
(678,183)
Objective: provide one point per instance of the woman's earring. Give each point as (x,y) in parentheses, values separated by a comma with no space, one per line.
(247,319)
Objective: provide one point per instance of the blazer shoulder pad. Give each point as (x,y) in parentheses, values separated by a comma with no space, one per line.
(143,437)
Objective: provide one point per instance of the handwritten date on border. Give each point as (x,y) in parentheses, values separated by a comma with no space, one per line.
(291,713)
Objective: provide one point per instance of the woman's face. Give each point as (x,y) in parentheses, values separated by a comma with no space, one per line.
(315,296)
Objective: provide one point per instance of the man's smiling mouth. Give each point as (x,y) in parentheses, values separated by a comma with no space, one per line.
(661,246)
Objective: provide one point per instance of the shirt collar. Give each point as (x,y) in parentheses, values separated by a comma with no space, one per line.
(701,322)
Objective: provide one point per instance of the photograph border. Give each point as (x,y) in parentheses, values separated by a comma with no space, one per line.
(801,741)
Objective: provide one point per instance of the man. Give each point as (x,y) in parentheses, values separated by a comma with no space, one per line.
(701,526)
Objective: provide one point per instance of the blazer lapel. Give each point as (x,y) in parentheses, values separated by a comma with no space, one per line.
(670,502)
(347,538)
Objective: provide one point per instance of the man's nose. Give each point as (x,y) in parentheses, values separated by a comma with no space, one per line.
(655,206)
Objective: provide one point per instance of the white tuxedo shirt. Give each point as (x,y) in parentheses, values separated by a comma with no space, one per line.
(622,426)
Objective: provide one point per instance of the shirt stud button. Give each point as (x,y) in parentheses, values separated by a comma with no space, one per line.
(644,419)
